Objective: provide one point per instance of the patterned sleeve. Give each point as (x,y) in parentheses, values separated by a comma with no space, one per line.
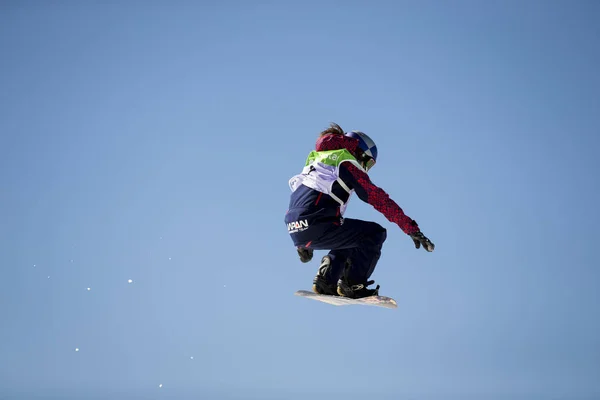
(368,192)
(336,142)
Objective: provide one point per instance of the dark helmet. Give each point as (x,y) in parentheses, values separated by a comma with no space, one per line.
(368,153)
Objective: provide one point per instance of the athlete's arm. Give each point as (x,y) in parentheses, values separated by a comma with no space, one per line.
(336,142)
(367,191)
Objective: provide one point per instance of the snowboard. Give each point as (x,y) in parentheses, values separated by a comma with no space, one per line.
(375,301)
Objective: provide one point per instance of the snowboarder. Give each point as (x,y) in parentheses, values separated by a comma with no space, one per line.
(315,218)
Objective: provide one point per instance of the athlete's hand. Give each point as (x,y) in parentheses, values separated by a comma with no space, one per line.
(420,239)
(305,254)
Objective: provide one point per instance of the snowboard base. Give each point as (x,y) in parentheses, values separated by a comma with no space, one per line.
(375,301)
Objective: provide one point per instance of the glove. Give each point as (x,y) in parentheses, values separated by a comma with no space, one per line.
(420,239)
(305,254)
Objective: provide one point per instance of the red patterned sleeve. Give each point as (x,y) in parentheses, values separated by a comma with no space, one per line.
(368,192)
(336,142)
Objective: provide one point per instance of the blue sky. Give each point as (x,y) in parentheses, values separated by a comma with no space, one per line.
(153,141)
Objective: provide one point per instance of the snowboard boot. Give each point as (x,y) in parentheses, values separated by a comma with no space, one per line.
(345,289)
(320,284)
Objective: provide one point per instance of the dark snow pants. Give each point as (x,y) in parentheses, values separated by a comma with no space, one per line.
(357,241)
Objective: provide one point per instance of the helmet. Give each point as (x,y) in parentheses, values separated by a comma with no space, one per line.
(368,153)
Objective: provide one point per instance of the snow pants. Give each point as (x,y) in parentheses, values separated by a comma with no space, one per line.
(356,241)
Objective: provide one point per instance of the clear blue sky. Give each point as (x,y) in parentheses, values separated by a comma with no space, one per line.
(153,141)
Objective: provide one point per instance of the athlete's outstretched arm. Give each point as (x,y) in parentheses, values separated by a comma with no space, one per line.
(370,193)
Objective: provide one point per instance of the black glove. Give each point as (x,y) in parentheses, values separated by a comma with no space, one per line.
(305,254)
(420,239)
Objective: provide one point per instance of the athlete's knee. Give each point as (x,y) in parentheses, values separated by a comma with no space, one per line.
(377,234)
(381,235)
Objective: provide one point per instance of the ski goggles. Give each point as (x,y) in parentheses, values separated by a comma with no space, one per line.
(369,163)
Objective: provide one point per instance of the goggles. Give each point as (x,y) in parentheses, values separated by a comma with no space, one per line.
(368,164)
